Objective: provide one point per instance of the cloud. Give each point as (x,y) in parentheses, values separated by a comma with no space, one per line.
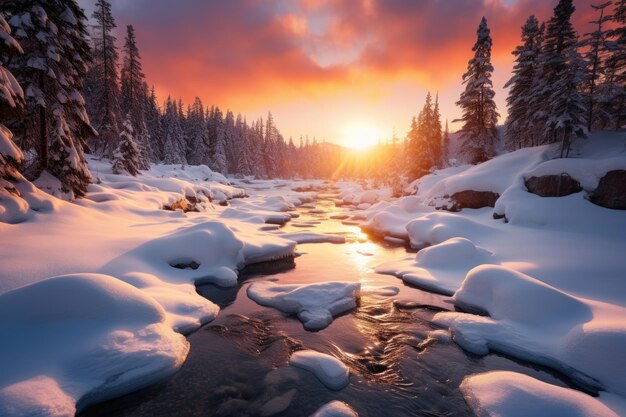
(243,53)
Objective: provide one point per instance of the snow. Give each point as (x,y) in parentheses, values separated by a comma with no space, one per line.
(83,337)
(314,304)
(549,277)
(335,409)
(79,338)
(440,268)
(329,370)
(511,394)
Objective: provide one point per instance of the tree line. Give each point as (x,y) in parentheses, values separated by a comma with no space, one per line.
(64,91)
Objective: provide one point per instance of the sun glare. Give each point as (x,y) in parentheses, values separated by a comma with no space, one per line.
(359,135)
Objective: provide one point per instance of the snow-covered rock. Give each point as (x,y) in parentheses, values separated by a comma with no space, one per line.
(510,394)
(440,268)
(79,339)
(539,323)
(315,304)
(329,370)
(335,409)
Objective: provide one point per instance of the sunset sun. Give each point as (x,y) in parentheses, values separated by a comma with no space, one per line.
(361,134)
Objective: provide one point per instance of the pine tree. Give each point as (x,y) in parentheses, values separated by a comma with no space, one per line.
(519,124)
(562,110)
(126,158)
(436,134)
(479,133)
(103,86)
(445,146)
(614,88)
(11,106)
(54,38)
(152,117)
(596,42)
(132,81)
(197,134)
(174,147)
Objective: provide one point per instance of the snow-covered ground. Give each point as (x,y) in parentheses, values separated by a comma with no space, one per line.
(547,278)
(94,295)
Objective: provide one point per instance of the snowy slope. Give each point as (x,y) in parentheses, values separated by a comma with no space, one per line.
(549,277)
(94,295)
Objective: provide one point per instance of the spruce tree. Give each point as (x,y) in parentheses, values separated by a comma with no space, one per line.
(596,42)
(479,134)
(11,106)
(174,146)
(614,88)
(436,134)
(562,109)
(53,35)
(126,158)
(445,146)
(519,124)
(152,117)
(103,84)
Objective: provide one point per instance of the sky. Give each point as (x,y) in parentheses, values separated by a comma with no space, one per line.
(343,71)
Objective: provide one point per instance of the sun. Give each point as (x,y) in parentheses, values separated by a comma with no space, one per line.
(361,134)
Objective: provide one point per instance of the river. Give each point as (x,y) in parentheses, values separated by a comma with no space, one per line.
(238,364)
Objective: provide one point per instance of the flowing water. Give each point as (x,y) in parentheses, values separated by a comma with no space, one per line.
(238,364)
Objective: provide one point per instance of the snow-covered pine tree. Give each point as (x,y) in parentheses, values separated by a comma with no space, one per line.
(197,134)
(103,87)
(11,106)
(445,146)
(174,146)
(269,149)
(152,116)
(561,106)
(519,126)
(480,115)
(220,163)
(56,52)
(614,88)
(597,49)
(567,104)
(423,150)
(134,95)
(412,154)
(559,38)
(126,158)
(435,132)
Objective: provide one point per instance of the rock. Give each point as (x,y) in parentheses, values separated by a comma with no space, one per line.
(277,404)
(611,191)
(553,185)
(472,199)
(180,204)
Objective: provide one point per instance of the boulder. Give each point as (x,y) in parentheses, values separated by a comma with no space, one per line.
(472,199)
(611,191)
(553,185)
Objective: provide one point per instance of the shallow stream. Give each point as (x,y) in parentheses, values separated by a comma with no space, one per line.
(238,364)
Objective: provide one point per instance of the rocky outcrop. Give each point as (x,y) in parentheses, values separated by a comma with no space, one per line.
(611,191)
(553,185)
(472,199)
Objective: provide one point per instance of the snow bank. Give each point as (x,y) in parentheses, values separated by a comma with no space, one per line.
(440,226)
(315,304)
(335,409)
(511,394)
(329,370)
(495,175)
(440,268)
(537,322)
(81,339)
